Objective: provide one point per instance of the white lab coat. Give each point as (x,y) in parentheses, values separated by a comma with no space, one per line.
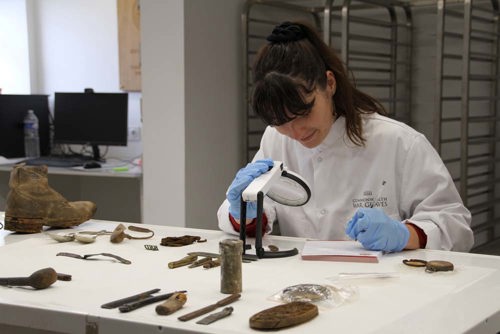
(344,177)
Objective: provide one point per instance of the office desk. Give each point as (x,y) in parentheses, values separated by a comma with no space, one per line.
(118,194)
(465,300)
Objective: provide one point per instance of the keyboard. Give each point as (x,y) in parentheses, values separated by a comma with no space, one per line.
(59,161)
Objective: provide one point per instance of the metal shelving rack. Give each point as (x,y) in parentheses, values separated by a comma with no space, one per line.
(373,38)
(467,103)
(376,45)
(258,19)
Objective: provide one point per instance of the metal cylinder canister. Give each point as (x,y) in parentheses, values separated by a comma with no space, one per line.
(231,251)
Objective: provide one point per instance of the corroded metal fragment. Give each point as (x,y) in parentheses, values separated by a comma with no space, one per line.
(182,262)
(430,266)
(200,262)
(273,248)
(285,315)
(216,316)
(231,251)
(181,241)
(415,263)
(434,266)
(211,264)
(223,302)
(119,234)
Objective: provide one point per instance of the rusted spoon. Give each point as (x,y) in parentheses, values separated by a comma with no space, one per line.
(40,279)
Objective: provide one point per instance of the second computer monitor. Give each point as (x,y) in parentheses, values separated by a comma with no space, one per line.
(91,118)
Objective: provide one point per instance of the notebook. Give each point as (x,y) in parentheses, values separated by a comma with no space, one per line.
(344,251)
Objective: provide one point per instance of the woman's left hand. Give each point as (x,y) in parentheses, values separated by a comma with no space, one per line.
(377,231)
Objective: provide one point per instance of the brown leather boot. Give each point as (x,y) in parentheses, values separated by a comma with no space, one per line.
(32,203)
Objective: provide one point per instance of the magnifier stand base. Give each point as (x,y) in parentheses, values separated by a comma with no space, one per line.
(262,254)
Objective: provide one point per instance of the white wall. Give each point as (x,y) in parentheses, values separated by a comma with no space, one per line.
(14,57)
(70,45)
(214,105)
(162,51)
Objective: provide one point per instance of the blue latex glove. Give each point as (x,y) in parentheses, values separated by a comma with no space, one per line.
(377,231)
(243,178)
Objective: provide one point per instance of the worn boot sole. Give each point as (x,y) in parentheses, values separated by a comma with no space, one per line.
(34,225)
(24,225)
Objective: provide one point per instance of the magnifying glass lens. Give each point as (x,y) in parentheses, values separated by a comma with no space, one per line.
(291,190)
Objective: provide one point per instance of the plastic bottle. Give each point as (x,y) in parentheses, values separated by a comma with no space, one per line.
(31,138)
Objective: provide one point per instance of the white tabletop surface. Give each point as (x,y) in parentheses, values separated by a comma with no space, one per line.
(465,300)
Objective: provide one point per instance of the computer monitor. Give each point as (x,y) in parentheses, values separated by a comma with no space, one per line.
(91,118)
(13,109)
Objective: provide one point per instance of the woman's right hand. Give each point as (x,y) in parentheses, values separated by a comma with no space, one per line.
(243,178)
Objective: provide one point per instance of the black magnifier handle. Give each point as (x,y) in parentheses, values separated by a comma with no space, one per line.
(243,224)
(258,232)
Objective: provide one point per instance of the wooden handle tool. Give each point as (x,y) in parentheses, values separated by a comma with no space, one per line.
(40,279)
(143,302)
(172,304)
(228,300)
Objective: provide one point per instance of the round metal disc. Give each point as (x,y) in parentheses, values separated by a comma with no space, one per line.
(415,263)
(433,266)
(291,189)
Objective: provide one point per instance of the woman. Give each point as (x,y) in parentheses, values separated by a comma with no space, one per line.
(373,179)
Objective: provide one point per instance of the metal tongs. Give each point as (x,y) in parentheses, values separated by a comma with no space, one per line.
(88,256)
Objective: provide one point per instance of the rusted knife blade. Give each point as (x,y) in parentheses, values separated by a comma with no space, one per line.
(149,300)
(216,316)
(120,302)
(209,308)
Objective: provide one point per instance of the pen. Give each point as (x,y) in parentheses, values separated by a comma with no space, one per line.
(379,194)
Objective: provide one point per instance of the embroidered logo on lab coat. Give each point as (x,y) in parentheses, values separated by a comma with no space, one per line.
(369,201)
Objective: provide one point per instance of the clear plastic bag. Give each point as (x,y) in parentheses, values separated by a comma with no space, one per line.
(328,296)
(359,276)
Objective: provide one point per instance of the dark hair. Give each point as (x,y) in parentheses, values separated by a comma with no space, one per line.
(292,66)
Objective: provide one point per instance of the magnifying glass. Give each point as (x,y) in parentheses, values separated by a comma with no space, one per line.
(283,187)
(290,189)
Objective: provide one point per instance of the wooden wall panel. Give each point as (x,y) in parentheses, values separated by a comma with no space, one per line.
(129,44)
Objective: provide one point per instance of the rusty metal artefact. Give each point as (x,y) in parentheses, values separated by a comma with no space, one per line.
(118,235)
(200,262)
(187,260)
(130,299)
(181,241)
(88,256)
(210,308)
(147,301)
(430,266)
(226,311)
(415,262)
(231,251)
(434,266)
(286,315)
(212,264)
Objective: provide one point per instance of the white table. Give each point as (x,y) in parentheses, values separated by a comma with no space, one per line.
(465,300)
